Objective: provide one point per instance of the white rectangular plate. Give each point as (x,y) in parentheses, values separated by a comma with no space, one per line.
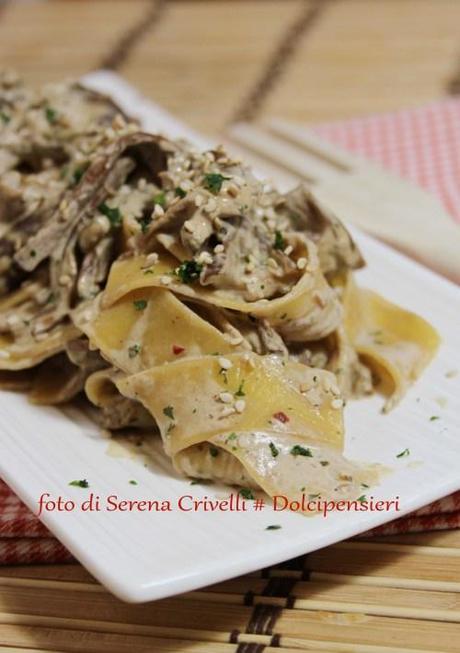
(141,556)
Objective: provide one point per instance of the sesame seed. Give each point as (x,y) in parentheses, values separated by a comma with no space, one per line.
(158,210)
(188,226)
(226,397)
(225,363)
(211,205)
(301,263)
(165,280)
(64,280)
(288,250)
(240,405)
(205,257)
(336,404)
(198,200)
(151,259)
(227,411)
(218,249)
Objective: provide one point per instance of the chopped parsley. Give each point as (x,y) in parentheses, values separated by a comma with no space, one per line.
(51,115)
(273,449)
(133,482)
(365,485)
(213,182)
(279,243)
(324,463)
(160,199)
(401,454)
(134,350)
(214,452)
(246,493)
(202,481)
(113,214)
(273,527)
(188,271)
(180,192)
(78,174)
(434,418)
(144,222)
(83,483)
(314,496)
(169,411)
(298,450)
(231,437)
(240,392)
(140,304)
(5,117)
(362,498)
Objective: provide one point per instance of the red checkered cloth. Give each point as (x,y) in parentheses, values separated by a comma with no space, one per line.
(420,144)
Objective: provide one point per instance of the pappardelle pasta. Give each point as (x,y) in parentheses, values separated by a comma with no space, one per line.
(181,295)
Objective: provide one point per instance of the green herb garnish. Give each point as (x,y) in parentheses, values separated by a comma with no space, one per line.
(169,411)
(180,192)
(82,483)
(133,482)
(78,174)
(362,498)
(246,493)
(434,418)
(51,115)
(298,450)
(273,527)
(5,117)
(214,451)
(140,304)
(213,182)
(134,350)
(403,453)
(144,223)
(188,271)
(240,392)
(113,214)
(324,463)
(160,199)
(279,243)
(273,449)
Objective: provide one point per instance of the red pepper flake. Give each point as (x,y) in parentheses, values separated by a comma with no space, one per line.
(281,417)
(177,349)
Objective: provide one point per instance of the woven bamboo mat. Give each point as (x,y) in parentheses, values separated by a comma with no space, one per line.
(391,595)
(208,61)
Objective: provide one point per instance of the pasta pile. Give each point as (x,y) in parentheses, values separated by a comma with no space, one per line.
(183,296)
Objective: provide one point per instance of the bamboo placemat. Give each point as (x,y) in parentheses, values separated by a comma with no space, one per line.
(397,594)
(208,61)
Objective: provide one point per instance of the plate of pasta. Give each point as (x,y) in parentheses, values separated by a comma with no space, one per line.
(194,363)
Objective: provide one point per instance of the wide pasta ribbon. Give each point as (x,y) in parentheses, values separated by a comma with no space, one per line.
(254,408)
(310,310)
(396,343)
